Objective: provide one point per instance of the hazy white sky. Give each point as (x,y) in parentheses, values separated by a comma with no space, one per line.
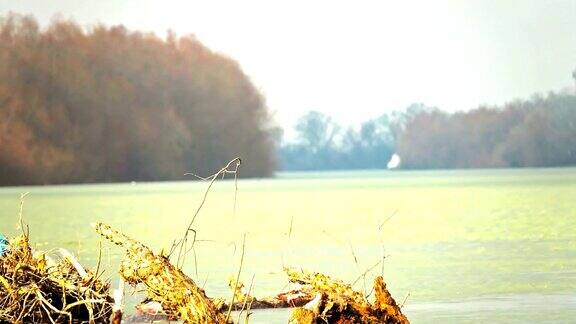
(358,59)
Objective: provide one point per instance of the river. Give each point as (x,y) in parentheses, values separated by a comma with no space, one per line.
(459,246)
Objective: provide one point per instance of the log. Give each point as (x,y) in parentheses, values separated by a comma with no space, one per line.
(178,294)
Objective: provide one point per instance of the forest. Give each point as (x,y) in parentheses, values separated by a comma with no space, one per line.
(536,132)
(105,104)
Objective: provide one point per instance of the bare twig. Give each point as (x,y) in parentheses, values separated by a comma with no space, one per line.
(247,299)
(237,161)
(404,301)
(96,273)
(363,275)
(383,250)
(237,279)
(248,312)
(235,189)
(383,257)
(290,229)
(387,219)
(182,244)
(20,214)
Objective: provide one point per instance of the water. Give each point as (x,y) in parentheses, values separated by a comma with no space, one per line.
(466,246)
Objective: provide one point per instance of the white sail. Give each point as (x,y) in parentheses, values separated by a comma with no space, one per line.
(394,161)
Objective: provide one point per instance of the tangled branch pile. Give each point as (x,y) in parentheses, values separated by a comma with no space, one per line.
(36,289)
(337,302)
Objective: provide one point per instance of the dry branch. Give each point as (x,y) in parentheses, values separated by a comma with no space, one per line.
(178,295)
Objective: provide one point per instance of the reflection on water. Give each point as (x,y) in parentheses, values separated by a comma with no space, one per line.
(468,246)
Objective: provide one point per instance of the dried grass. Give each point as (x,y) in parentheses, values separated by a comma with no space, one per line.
(35,289)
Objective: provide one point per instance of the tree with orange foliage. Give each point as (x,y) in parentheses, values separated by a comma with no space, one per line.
(109,104)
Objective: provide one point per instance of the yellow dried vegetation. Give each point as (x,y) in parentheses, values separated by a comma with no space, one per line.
(36,289)
(179,296)
(336,302)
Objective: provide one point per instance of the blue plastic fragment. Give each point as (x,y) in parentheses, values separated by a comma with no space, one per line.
(3,244)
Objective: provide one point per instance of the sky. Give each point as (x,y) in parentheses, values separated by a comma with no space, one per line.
(355,60)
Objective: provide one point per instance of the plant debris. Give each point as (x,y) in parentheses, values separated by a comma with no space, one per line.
(166,284)
(337,302)
(292,298)
(36,289)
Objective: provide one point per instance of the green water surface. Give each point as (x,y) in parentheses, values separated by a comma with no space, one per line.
(467,246)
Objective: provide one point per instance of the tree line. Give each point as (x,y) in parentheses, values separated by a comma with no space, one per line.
(538,132)
(104,104)
(108,104)
(535,132)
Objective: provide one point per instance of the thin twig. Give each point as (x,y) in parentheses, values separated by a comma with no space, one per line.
(290,229)
(182,245)
(96,274)
(404,301)
(237,279)
(363,275)
(248,312)
(20,213)
(246,299)
(383,256)
(387,219)
(224,170)
(383,250)
(358,267)
(235,190)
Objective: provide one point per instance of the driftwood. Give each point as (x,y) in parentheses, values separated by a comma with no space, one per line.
(166,284)
(325,300)
(293,298)
(173,295)
(337,302)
